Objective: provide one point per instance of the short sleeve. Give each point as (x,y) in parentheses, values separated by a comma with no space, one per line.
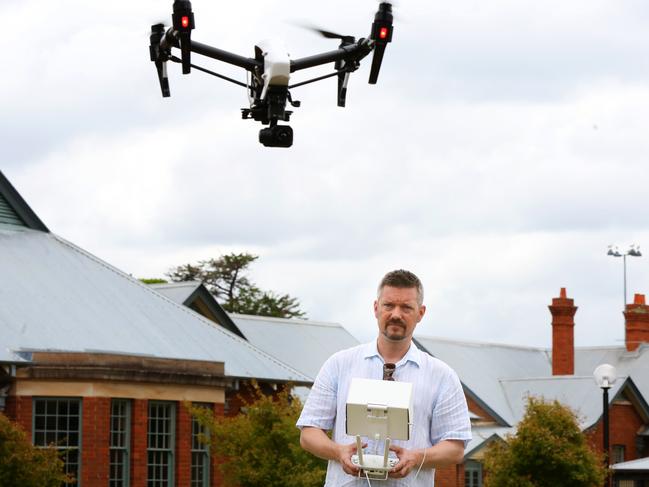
(320,407)
(450,420)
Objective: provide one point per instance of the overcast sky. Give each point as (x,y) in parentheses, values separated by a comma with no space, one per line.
(504,147)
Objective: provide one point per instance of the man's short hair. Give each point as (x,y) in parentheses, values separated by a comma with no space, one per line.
(404,280)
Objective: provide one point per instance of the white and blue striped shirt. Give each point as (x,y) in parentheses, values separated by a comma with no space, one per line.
(439,406)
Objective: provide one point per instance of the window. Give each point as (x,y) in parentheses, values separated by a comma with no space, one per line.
(200,454)
(472,474)
(57,422)
(120,440)
(160,444)
(617,455)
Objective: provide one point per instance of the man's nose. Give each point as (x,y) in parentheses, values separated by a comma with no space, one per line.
(396,312)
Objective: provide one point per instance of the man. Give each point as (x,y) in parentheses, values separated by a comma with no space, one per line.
(441,425)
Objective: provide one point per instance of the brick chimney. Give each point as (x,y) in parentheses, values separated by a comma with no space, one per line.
(636,323)
(563,337)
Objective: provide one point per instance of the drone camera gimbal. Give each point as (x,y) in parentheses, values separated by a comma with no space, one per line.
(271,68)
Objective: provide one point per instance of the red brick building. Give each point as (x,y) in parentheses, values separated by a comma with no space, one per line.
(102,366)
(497,379)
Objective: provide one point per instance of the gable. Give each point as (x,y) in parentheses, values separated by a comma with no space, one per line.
(14,211)
(7,214)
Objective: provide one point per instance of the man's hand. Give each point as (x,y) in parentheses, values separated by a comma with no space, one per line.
(345,453)
(409,460)
(316,441)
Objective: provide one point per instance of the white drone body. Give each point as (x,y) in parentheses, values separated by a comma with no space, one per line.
(277,64)
(381,411)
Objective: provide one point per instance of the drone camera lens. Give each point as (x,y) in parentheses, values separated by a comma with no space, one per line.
(277,136)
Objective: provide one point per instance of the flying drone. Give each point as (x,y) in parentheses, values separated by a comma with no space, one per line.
(270,70)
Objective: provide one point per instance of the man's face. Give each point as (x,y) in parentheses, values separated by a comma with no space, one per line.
(398,312)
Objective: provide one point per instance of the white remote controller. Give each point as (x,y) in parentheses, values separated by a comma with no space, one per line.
(374,462)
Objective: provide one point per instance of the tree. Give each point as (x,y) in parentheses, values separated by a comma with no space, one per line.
(225,277)
(153,280)
(548,450)
(24,465)
(261,445)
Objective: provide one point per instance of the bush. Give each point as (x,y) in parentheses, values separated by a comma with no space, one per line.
(548,450)
(24,465)
(261,445)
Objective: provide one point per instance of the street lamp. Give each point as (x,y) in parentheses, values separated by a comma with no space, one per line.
(634,251)
(605,378)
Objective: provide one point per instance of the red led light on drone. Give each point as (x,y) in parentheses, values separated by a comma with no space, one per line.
(184,21)
(383,33)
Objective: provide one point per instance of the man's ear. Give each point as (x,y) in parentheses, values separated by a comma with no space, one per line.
(422,312)
(376,308)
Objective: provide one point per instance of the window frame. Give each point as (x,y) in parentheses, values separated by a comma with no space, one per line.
(203,450)
(618,453)
(472,466)
(79,431)
(170,451)
(125,481)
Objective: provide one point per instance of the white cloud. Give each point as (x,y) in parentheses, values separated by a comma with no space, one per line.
(502,150)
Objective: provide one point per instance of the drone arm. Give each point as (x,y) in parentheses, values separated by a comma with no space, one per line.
(170,40)
(217,75)
(246,63)
(355,51)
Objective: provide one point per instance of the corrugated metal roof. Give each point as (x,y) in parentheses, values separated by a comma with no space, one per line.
(56,296)
(7,356)
(303,344)
(481,365)
(503,375)
(481,434)
(177,291)
(627,364)
(639,464)
(581,394)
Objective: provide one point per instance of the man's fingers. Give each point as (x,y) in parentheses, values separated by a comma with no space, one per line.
(362,446)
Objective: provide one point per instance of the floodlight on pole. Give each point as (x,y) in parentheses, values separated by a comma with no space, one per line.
(633,251)
(605,377)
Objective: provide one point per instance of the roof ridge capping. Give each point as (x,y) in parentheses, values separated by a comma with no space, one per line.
(553,378)
(159,285)
(477,343)
(294,321)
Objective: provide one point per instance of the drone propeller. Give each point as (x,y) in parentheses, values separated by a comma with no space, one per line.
(327,34)
(160,60)
(381,35)
(342,66)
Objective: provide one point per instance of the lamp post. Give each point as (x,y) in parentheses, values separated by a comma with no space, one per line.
(605,378)
(634,251)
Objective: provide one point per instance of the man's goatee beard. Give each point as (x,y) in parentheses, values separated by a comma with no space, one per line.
(394,338)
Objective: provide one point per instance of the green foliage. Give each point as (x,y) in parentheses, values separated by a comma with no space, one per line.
(225,278)
(153,280)
(548,450)
(261,446)
(22,464)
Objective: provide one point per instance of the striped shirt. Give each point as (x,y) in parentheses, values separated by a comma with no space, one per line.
(439,406)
